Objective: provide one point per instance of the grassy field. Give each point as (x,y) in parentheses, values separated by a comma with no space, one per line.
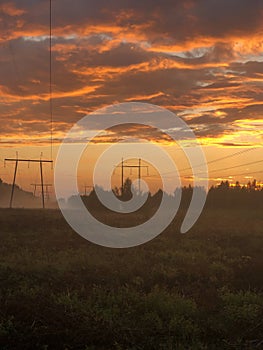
(202,290)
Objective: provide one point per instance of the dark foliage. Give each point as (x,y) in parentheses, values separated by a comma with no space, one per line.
(202,290)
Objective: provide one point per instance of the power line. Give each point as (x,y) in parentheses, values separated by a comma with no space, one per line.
(232,155)
(139,167)
(237,166)
(19,160)
(216,160)
(229,168)
(50,80)
(36,185)
(222,169)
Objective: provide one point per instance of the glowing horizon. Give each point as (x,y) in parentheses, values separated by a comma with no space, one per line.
(207,70)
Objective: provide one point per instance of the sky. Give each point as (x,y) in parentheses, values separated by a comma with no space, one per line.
(201,59)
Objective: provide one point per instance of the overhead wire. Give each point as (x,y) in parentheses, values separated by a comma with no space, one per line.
(229,168)
(216,160)
(52,117)
(237,166)
(50,80)
(214,170)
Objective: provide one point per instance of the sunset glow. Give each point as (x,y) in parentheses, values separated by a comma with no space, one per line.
(200,60)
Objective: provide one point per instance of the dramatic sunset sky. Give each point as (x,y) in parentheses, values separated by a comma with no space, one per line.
(201,59)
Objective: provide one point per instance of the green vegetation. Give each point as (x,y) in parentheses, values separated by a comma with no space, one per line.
(202,290)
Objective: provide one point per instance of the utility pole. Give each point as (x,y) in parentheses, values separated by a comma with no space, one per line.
(40,185)
(87,187)
(13,185)
(17,160)
(139,167)
(139,170)
(122,176)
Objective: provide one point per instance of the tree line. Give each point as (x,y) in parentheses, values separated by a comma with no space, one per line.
(224,195)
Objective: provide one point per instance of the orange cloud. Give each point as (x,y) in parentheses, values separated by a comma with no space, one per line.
(176,57)
(12,98)
(10,9)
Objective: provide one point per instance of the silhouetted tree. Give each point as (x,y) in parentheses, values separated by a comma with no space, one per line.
(126,191)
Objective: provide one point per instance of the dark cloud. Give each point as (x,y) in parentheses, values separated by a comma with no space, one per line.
(113,51)
(171,19)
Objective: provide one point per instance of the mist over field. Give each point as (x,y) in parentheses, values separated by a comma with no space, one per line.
(101,101)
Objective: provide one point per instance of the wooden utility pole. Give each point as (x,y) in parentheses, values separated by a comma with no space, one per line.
(139,167)
(13,185)
(139,170)
(17,160)
(85,189)
(122,176)
(40,185)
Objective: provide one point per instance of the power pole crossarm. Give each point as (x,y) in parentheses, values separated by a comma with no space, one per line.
(44,185)
(19,160)
(87,187)
(139,167)
(28,160)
